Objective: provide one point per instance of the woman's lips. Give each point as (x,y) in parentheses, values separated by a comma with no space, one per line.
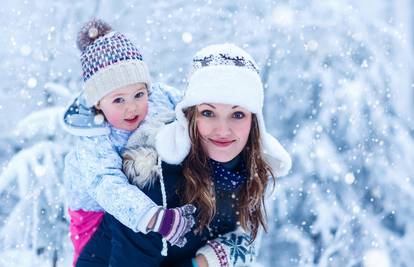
(132,120)
(222,143)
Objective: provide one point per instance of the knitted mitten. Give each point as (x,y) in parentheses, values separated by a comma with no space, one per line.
(174,223)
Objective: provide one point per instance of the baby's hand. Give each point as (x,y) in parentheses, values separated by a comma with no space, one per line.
(173,224)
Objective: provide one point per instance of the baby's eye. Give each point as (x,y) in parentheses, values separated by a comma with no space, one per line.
(139,94)
(207,113)
(118,100)
(238,115)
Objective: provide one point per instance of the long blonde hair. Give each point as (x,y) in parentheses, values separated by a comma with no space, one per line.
(198,187)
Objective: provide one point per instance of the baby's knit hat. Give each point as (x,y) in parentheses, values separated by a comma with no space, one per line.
(224,74)
(109,61)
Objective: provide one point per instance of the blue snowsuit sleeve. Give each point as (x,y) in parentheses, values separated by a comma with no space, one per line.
(101,169)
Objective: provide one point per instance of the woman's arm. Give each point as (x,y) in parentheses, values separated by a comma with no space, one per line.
(231,249)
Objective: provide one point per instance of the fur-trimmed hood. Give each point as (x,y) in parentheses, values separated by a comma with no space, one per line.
(79,119)
(140,162)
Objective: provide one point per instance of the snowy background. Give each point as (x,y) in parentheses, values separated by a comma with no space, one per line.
(339,95)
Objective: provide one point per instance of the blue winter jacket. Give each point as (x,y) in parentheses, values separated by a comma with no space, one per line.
(93,174)
(137,249)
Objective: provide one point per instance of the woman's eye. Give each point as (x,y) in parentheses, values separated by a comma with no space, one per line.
(139,94)
(207,113)
(118,100)
(238,115)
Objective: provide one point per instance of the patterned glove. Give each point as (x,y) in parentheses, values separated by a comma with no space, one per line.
(173,224)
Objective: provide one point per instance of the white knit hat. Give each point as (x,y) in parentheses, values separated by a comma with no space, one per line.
(224,74)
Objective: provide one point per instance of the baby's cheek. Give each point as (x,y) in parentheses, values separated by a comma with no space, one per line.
(113,119)
(144,110)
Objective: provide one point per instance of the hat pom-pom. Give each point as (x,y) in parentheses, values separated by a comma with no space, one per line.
(91,31)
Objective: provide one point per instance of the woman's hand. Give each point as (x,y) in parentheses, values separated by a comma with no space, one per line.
(201,260)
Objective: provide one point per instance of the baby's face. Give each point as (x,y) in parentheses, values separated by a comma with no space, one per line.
(125,107)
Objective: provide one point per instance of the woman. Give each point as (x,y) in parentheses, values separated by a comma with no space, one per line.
(217,156)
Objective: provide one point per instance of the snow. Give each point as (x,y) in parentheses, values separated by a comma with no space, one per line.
(339,96)
(187,37)
(376,258)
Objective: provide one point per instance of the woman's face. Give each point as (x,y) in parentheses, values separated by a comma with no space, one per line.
(224,129)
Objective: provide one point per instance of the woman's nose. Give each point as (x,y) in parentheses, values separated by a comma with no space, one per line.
(223,128)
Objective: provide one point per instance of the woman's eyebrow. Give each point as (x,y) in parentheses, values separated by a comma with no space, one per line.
(210,105)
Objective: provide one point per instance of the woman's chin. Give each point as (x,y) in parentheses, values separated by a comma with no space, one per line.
(222,158)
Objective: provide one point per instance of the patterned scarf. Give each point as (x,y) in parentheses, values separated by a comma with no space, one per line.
(229,176)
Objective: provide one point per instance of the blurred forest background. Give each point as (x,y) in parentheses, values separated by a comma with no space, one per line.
(339,83)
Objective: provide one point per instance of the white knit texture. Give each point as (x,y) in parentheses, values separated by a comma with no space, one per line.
(113,77)
(211,255)
(225,85)
(227,48)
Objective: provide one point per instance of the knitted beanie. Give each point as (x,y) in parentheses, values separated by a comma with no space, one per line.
(224,74)
(109,61)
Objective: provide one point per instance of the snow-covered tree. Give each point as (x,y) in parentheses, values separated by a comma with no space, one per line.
(31,184)
(332,81)
(38,81)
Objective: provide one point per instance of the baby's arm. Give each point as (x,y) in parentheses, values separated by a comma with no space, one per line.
(143,167)
(101,167)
